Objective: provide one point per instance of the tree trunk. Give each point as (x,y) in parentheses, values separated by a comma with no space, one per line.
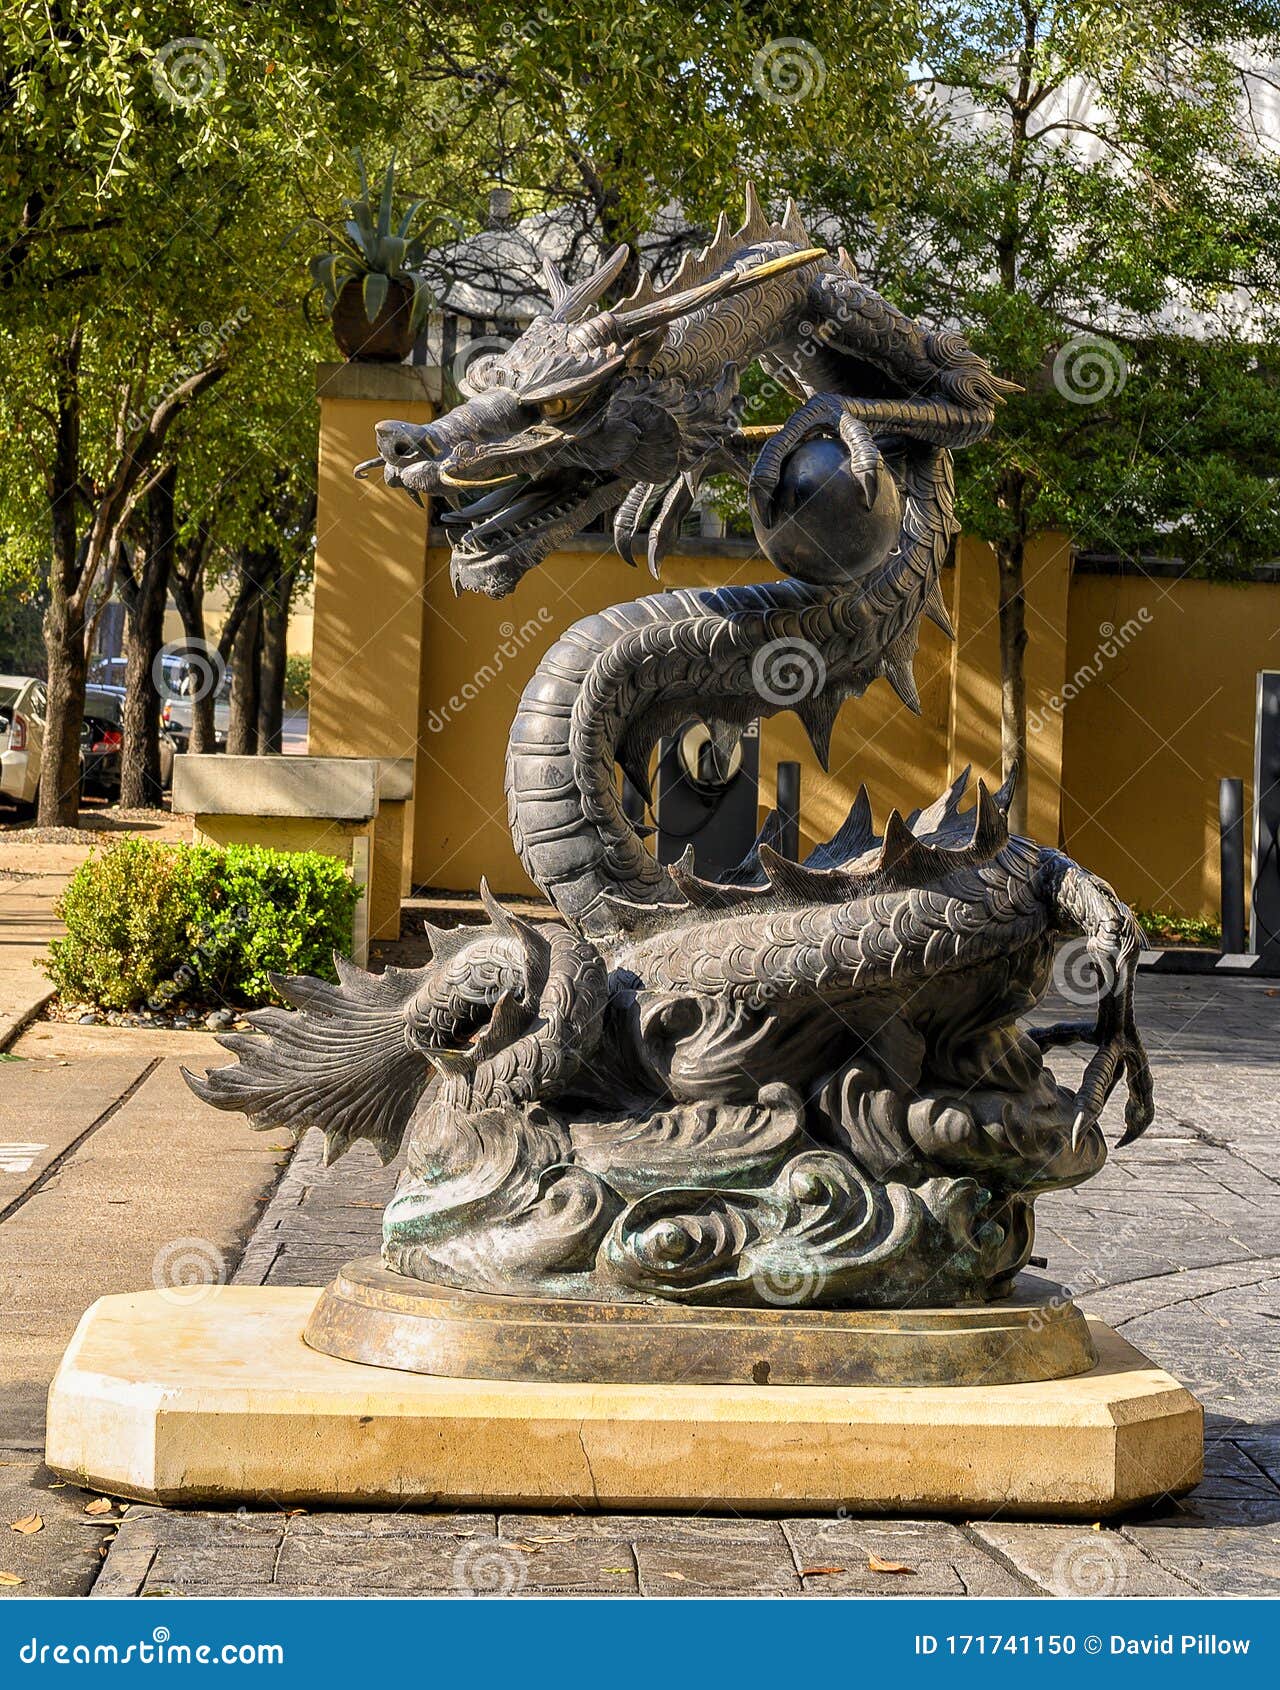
(64,621)
(145,595)
(1013,679)
(59,802)
(275,632)
(242,735)
(188,595)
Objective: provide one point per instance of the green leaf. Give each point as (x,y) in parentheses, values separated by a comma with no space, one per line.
(375,293)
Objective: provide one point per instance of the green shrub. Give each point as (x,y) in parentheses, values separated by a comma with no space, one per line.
(151,923)
(297,678)
(126,918)
(1162,927)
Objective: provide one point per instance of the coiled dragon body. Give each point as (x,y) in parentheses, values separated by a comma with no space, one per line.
(687,1084)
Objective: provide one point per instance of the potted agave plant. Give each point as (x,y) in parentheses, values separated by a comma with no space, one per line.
(367,282)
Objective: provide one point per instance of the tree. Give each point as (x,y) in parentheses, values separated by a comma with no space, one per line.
(146,178)
(1095,182)
(650,119)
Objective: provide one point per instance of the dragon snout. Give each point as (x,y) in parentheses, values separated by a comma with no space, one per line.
(401,443)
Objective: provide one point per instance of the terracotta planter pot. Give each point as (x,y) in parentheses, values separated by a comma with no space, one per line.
(388,339)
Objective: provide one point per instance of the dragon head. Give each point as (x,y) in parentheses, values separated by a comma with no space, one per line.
(560,426)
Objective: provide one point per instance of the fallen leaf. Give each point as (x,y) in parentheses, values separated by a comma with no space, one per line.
(615,1569)
(99,1505)
(679,1576)
(818,1572)
(27,1524)
(292,1513)
(878,1566)
(11,1578)
(524,1548)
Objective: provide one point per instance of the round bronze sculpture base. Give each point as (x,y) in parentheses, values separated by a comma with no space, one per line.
(387,1320)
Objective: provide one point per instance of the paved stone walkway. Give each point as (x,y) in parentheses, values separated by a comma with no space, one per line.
(1177,1243)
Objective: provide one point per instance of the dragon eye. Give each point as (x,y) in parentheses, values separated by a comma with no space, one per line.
(554,410)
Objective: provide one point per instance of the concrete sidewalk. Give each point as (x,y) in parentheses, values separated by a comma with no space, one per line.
(112,1176)
(1177,1243)
(27,923)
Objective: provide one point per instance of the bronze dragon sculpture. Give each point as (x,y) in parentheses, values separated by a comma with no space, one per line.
(804,1084)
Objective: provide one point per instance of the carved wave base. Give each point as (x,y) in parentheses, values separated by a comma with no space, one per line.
(888,1160)
(221,1402)
(385,1320)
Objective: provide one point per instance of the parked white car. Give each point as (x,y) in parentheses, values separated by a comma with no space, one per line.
(23,705)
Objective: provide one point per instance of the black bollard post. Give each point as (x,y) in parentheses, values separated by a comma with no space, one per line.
(789,811)
(1231,834)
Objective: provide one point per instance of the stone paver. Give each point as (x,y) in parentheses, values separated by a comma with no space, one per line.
(1177,1243)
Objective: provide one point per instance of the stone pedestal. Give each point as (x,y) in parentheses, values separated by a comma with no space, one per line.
(218,1400)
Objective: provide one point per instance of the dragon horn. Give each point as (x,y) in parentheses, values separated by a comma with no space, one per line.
(584,294)
(663,310)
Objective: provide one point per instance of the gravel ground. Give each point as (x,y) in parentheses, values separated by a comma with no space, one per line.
(98,824)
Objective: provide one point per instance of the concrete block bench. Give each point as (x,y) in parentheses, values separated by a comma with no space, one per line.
(352,808)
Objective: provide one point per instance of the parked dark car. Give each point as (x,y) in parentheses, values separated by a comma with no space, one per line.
(102,740)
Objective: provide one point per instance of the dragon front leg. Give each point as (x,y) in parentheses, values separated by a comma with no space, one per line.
(824,414)
(1087,905)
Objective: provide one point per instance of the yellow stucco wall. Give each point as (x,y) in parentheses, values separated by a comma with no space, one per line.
(1151,729)
(478,654)
(1123,768)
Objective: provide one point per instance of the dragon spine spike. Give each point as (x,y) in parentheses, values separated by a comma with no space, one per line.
(1004,795)
(847,265)
(664,309)
(898,845)
(446,942)
(818,718)
(990,828)
(935,608)
(755,225)
(942,809)
(852,839)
